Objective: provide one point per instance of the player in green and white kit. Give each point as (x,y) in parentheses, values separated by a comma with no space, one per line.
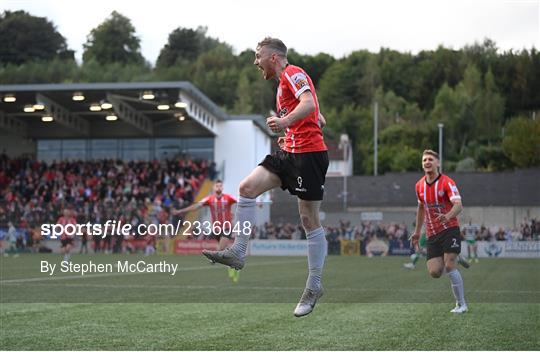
(470,232)
(421,250)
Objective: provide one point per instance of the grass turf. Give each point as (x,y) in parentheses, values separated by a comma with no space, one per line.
(370,303)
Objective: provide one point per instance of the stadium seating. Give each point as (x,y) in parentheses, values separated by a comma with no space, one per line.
(32,192)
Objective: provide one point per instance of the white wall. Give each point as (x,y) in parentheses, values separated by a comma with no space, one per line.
(241,145)
(338,168)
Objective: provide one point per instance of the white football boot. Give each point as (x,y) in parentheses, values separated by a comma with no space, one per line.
(459,309)
(225,257)
(307,302)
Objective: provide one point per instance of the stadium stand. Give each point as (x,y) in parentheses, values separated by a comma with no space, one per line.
(151,158)
(33,193)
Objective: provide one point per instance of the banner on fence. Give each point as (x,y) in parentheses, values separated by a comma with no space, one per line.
(278,247)
(504,249)
(194,246)
(350,247)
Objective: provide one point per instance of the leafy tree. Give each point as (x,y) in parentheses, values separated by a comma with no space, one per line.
(522,141)
(466,165)
(55,71)
(93,71)
(353,80)
(114,40)
(492,158)
(215,72)
(429,72)
(28,38)
(517,76)
(396,71)
(457,108)
(481,55)
(315,66)
(405,134)
(396,158)
(253,94)
(246,58)
(449,110)
(473,91)
(406,159)
(357,122)
(185,44)
(489,110)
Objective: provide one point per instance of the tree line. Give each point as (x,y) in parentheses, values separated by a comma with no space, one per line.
(486,99)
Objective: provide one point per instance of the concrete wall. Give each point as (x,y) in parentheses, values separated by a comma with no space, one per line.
(506,217)
(239,146)
(499,198)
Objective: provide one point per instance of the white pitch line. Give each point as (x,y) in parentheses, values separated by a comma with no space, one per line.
(91,276)
(281,288)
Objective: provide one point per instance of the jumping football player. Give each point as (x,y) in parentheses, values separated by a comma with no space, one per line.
(300,166)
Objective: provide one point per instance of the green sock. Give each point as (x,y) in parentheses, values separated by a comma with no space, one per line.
(415,258)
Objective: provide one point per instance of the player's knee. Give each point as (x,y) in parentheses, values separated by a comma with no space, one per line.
(448,267)
(450,264)
(435,273)
(246,189)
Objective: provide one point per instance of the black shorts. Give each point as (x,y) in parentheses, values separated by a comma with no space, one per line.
(64,243)
(446,241)
(302,174)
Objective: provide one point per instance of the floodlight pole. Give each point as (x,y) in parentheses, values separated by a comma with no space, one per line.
(441,126)
(344,144)
(375,141)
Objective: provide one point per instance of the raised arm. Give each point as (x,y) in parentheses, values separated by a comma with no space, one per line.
(301,111)
(194,206)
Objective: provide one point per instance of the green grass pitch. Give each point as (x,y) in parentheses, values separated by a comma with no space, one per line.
(370,303)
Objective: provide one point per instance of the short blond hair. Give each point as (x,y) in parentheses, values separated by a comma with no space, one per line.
(431,152)
(274,44)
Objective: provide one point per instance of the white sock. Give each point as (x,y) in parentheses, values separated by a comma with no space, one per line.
(245,211)
(149,250)
(457,286)
(66,257)
(317,249)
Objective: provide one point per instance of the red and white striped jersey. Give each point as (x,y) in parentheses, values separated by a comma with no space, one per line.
(220,209)
(65,221)
(305,135)
(437,198)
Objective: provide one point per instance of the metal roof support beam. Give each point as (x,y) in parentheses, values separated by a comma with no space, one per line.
(13,125)
(130,115)
(63,116)
(199,113)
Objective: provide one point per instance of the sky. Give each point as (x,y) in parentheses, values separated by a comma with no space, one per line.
(336,27)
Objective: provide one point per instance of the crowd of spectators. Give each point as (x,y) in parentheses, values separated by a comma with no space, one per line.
(344,230)
(34,193)
(397,234)
(528,230)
